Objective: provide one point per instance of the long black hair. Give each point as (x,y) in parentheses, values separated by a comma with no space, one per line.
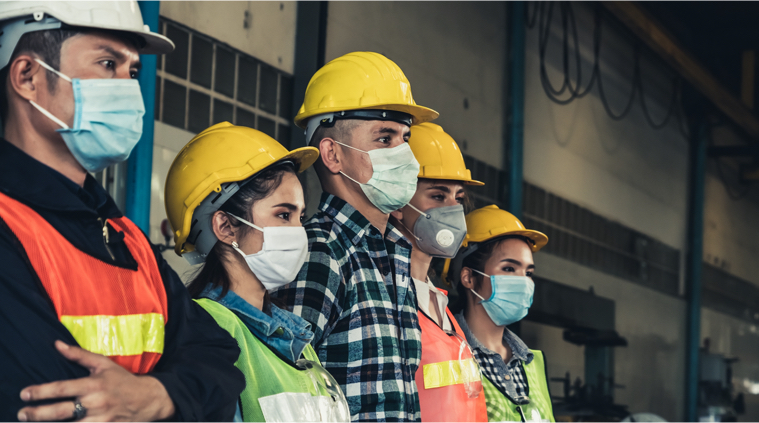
(213,272)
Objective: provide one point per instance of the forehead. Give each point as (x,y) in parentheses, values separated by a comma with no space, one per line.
(372,126)
(513,248)
(97,42)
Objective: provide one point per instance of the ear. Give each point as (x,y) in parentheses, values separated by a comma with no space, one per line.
(222,228)
(25,78)
(466,278)
(330,155)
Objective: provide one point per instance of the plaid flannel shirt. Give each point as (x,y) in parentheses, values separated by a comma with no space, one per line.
(510,377)
(356,291)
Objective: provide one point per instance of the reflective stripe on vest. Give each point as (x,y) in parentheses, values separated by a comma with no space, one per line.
(501,409)
(275,390)
(109,310)
(442,392)
(131,334)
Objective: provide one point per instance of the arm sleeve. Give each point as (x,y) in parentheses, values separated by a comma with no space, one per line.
(197,366)
(317,293)
(29,327)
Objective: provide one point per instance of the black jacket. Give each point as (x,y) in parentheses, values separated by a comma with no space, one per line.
(197,365)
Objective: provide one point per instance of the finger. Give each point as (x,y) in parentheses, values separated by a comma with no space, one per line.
(60,389)
(52,412)
(84,358)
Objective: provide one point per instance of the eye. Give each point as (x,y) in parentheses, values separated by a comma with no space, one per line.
(109,64)
(302,218)
(459,200)
(285,216)
(529,273)
(384,140)
(508,269)
(438,197)
(134,74)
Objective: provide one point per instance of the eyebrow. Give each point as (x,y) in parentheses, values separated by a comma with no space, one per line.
(289,206)
(517,262)
(119,55)
(440,187)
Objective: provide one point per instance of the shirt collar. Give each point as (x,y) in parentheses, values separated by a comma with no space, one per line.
(32,182)
(423,291)
(265,326)
(353,222)
(519,349)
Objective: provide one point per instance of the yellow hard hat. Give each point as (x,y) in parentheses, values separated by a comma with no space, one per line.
(438,154)
(484,224)
(491,222)
(360,81)
(213,162)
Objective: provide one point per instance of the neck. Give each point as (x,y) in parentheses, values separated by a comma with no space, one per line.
(358,200)
(244,283)
(420,261)
(488,333)
(22,133)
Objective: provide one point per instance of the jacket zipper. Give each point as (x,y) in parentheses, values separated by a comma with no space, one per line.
(105,237)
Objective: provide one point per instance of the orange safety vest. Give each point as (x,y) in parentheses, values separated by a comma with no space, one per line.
(439,379)
(109,310)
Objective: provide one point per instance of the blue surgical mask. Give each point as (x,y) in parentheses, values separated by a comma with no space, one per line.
(510,300)
(394,176)
(107,120)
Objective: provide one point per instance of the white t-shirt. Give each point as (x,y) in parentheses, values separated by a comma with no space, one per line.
(423,291)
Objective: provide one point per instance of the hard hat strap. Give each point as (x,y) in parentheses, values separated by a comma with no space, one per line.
(328,120)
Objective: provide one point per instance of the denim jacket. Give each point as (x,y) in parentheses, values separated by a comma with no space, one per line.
(281,330)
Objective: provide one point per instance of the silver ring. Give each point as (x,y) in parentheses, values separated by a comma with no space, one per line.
(79,411)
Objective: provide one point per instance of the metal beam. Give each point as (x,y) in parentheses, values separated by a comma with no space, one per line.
(662,43)
(694,269)
(140,164)
(514,151)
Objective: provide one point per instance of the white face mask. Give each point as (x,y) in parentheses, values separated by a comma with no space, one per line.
(394,176)
(281,257)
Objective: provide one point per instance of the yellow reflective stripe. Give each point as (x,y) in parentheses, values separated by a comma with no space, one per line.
(447,373)
(131,334)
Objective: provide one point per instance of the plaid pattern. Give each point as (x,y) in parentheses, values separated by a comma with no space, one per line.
(356,291)
(493,366)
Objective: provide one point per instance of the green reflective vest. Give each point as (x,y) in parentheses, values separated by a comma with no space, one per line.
(503,409)
(275,388)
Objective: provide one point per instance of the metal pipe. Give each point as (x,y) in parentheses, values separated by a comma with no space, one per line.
(694,269)
(140,164)
(514,151)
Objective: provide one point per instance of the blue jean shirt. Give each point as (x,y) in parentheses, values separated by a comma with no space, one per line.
(283,331)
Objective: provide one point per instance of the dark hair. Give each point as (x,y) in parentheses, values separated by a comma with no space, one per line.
(47,45)
(261,186)
(477,261)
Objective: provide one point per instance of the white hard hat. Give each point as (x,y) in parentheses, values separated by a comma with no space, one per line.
(19,17)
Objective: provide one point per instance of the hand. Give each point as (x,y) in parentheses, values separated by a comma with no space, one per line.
(110,393)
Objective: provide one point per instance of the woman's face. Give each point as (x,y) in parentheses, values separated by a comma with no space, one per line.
(285,206)
(511,257)
(430,194)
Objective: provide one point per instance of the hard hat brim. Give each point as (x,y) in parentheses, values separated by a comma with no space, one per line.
(420,114)
(154,43)
(470,182)
(306,156)
(539,238)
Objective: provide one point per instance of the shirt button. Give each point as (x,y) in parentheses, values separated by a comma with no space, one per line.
(507,377)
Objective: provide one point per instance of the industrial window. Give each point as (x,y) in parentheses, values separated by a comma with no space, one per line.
(579,235)
(204,82)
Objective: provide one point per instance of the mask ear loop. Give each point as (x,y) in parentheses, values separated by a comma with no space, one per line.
(235,245)
(38,107)
(343,173)
(473,291)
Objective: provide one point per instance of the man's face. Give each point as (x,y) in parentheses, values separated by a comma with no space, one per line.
(367,136)
(94,55)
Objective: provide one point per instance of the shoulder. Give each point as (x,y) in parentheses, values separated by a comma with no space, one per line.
(325,236)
